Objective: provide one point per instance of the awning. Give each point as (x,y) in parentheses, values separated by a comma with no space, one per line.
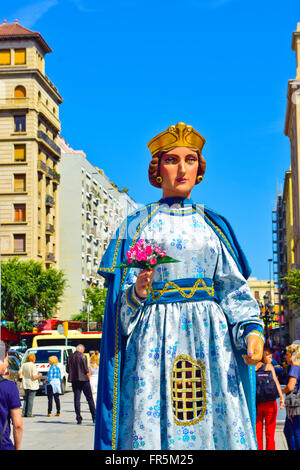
(8,335)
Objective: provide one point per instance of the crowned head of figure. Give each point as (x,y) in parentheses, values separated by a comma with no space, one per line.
(182,142)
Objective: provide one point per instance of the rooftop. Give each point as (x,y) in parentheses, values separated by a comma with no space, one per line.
(16,31)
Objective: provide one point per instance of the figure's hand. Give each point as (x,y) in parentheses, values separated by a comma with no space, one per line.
(144,282)
(254,350)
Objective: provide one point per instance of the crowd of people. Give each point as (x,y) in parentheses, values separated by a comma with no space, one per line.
(268,390)
(83,374)
(84,378)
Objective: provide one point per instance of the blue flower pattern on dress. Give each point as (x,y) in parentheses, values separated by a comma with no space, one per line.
(157,334)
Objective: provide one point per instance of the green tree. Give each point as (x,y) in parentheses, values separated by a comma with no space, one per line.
(96,297)
(293,285)
(27,287)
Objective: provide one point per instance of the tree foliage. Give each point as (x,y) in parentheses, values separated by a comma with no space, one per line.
(95,297)
(293,285)
(27,287)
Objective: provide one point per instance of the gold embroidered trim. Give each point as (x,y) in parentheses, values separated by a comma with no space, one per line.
(116,251)
(116,359)
(156,294)
(188,388)
(175,211)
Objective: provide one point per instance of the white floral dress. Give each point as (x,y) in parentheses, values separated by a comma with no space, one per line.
(180,387)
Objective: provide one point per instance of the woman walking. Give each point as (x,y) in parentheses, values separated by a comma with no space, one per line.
(53,385)
(268,389)
(30,382)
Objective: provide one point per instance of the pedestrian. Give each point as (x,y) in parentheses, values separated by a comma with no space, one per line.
(78,371)
(268,389)
(94,369)
(10,407)
(53,385)
(30,382)
(292,400)
(177,339)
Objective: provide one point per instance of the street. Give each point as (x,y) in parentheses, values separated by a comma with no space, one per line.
(63,433)
(58,433)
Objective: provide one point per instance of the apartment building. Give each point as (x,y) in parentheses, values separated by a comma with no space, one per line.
(292,181)
(29,154)
(91,209)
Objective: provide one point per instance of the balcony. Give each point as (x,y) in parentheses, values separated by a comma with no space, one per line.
(50,257)
(49,200)
(49,142)
(15,103)
(42,166)
(50,228)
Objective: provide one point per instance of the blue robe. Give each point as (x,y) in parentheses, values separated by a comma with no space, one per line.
(201,299)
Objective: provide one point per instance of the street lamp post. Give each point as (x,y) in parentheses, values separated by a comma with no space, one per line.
(267,314)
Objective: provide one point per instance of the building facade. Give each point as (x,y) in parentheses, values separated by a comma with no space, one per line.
(29,154)
(91,209)
(292,131)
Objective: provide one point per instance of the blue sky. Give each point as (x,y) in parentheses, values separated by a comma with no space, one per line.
(129,69)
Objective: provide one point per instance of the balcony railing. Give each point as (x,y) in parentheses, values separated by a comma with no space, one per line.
(50,228)
(43,136)
(50,257)
(21,102)
(49,200)
(42,165)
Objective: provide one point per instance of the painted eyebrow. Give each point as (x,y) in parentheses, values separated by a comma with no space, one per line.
(178,156)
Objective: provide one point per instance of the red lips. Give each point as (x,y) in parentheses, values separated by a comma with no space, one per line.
(181,180)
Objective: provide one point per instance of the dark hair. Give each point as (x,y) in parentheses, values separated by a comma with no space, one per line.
(154,167)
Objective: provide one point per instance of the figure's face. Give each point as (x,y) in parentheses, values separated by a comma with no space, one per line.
(178,169)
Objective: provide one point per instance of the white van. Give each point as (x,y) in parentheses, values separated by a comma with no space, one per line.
(42,355)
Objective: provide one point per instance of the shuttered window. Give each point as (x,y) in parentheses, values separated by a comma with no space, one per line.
(20,152)
(20,56)
(4,57)
(19,243)
(20,212)
(20,183)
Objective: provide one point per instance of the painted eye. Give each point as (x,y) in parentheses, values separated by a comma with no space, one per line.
(169,160)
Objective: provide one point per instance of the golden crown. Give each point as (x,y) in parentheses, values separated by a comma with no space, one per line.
(180,135)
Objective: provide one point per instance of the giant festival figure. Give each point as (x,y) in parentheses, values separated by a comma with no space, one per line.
(180,340)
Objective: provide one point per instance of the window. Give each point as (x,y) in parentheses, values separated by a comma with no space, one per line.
(19,183)
(4,57)
(19,243)
(20,123)
(20,56)
(20,152)
(20,212)
(20,94)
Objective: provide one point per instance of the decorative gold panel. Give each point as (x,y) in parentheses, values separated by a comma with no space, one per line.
(188,390)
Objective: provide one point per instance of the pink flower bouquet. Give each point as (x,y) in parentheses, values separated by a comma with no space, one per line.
(146,256)
(143,255)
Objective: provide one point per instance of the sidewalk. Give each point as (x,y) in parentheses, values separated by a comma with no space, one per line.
(279,437)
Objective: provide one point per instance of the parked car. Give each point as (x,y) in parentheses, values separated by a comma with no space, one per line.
(16,354)
(11,373)
(42,355)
